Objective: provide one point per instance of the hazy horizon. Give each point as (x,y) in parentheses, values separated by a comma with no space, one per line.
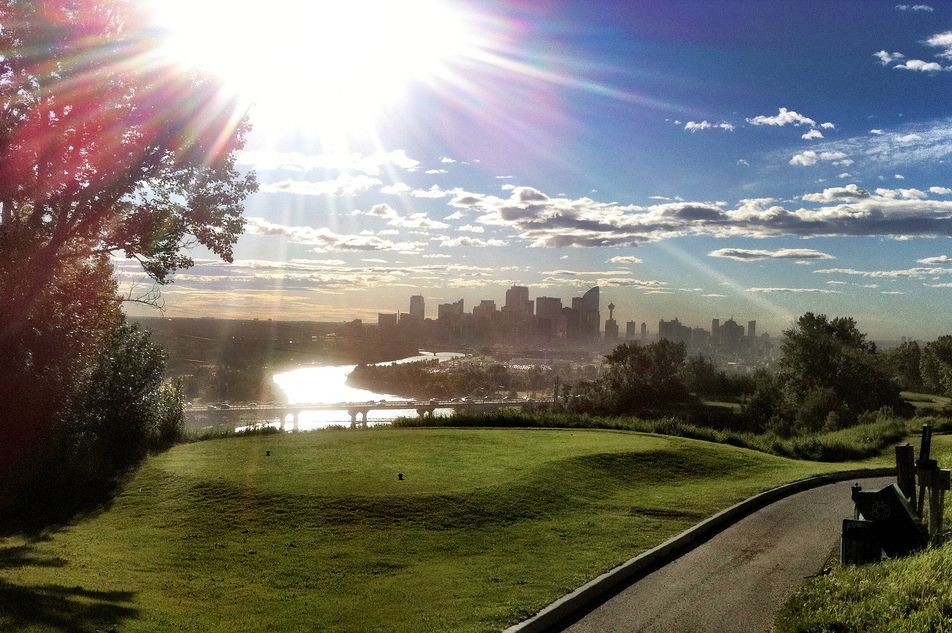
(694,160)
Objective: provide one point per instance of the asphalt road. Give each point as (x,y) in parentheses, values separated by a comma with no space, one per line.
(737,580)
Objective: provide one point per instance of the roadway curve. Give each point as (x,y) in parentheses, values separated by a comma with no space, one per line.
(738,579)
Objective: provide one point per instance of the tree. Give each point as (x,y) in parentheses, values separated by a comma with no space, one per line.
(828,366)
(104,150)
(936,367)
(904,362)
(638,379)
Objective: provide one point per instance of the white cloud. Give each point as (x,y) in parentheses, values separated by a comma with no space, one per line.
(436,171)
(323,239)
(783,117)
(743,162)
(371,164)
(885,58)
(826,125)
(396,189)
(625,259)
(918,65)
(446,160)
(943,41)
(942,191)
(931,261)
(876,132)
(915,7)
(812,134)
(899,177)
(434,192)
(823,291)
(810,157)
(892,292)
(748,255)
(469,242)
(345,184)
(907,273)
(471,228)
(845,174)
(849,192)
(694,126)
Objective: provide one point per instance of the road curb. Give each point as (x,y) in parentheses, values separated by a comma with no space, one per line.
(574,604)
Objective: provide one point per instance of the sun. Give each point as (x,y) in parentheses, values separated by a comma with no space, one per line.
(334,64)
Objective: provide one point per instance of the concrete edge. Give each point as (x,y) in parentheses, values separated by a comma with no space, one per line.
(594,592)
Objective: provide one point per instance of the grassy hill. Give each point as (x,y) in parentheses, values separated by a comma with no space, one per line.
(487,527)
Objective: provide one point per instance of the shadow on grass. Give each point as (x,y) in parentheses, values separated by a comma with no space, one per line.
(57,607)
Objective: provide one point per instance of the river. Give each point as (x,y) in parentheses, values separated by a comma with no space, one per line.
(328,384)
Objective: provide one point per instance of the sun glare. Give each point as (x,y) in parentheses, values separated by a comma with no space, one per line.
(340,64)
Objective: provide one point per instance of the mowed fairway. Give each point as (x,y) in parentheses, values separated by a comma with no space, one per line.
(488,526)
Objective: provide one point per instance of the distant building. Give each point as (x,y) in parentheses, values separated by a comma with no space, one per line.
(700,337)
(731,333)
(611,326)
(551,321)
(716,331)
(417,307)
(631,330)
(586,309)
(386,321)
(450,310)
(644,332)
(674,331)
(485,310)
(517,300)
(752,330)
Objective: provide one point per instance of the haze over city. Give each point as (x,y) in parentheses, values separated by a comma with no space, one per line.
(685,166)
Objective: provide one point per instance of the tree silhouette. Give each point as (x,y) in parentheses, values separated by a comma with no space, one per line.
(105,150)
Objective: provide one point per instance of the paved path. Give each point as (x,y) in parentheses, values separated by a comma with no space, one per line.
(737,580)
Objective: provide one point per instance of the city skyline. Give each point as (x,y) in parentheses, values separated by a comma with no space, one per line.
(687,166)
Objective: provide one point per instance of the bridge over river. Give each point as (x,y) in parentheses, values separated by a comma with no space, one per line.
(243,414)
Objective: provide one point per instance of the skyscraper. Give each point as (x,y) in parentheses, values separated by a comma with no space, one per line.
(751,330)
(588,316)
(517,300)
(417,307)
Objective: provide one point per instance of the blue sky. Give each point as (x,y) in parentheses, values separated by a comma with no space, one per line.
(699,160)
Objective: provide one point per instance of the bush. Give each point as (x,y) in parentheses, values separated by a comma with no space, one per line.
(120,411)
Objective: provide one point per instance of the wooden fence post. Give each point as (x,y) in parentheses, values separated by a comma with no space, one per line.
(906,471)
(940,485)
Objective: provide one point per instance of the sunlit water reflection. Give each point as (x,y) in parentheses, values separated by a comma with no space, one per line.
(328,384)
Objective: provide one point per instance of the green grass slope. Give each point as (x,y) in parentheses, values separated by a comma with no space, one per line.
(488,526)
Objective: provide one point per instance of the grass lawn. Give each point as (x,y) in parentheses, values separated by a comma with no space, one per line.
(488,526)
(925,403)
(906,595)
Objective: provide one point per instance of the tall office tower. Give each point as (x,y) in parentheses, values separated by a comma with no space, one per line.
(644,332)
(751,330)
(417,307)
(631,330)
(517,300)
(716,331)
(588,315)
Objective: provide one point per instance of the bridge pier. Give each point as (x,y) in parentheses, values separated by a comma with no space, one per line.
(353,413)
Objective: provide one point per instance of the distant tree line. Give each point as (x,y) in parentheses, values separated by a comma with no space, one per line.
(429,379)
(829,377)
